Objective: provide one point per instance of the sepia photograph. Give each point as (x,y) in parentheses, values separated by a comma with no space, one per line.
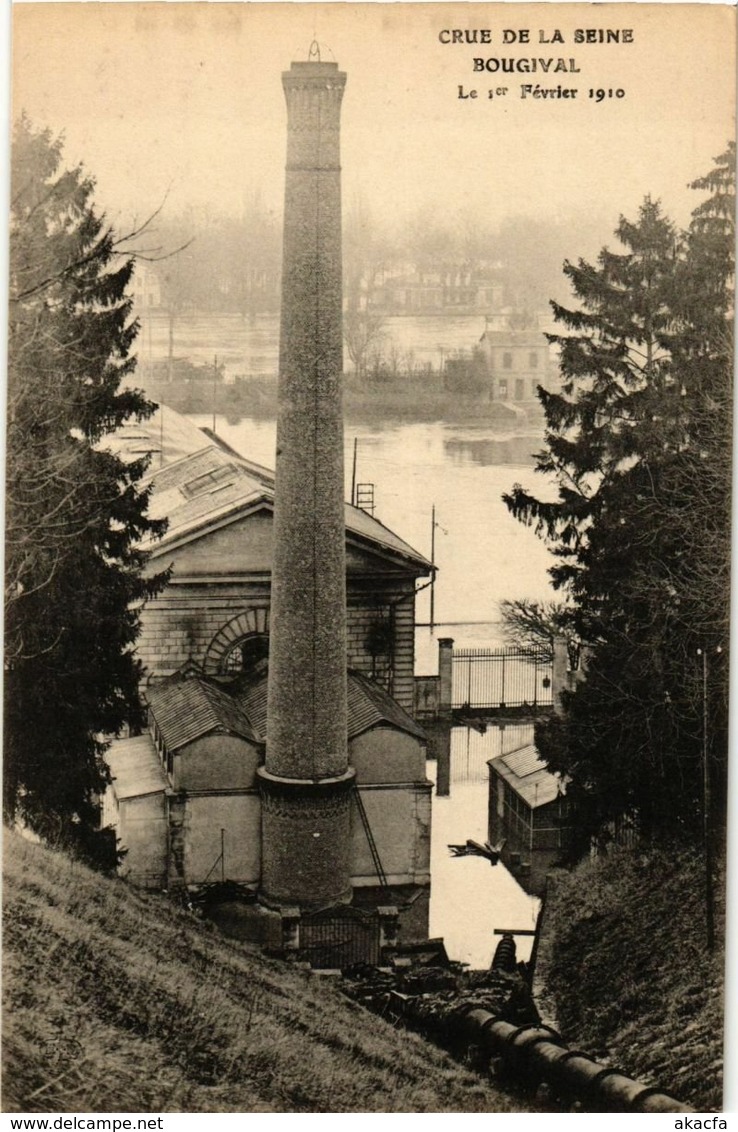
(367,559)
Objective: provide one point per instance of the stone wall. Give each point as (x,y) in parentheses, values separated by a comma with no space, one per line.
(381,643)
(202,621)
(181,623)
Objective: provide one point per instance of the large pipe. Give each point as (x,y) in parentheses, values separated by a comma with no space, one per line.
(535,1054)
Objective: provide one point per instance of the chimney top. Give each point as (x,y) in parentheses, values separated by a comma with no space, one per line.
(312,67)
(313,75)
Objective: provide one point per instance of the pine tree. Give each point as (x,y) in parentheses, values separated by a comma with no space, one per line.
(613,411)
(626,445)
(75,513)
(703,357)
(698,499)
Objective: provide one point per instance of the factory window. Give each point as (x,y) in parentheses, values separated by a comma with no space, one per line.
(502,389)
(246,653)
(533,359)
(519,389)
(507,360)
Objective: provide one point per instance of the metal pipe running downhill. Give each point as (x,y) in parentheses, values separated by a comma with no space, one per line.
(537,1052)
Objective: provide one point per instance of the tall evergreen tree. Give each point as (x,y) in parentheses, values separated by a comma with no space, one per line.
(615,409)
(698,499)
(625,444)
(75,512)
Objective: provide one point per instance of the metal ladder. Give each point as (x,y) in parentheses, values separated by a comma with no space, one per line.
(365,497)
(370,838)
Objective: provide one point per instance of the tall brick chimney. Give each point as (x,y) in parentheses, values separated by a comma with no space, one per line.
(306,782)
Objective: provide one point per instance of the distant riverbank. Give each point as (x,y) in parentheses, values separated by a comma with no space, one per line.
(250,347)
(403,399)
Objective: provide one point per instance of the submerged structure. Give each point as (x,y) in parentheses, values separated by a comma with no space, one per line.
(528,814)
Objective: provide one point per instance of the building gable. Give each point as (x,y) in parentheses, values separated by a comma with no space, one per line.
(230,547)
(243,544)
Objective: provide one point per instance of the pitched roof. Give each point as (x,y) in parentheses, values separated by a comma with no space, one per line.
(365,526)
(250,693)
(187,709)
(136,767)
(201,488)
(525,771)
(207,482)
(165,436)
(368,706)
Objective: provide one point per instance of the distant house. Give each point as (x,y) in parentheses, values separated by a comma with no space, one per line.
(146,288)
(528,810)
(518,358)
(412,293)
(406,288)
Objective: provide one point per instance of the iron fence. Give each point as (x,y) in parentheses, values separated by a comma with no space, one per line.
(340,941)
(501,678)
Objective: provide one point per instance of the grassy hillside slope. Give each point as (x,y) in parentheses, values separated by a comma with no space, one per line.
(630,975)
(117,1001)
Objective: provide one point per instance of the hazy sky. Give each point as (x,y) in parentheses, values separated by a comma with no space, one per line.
(188,98)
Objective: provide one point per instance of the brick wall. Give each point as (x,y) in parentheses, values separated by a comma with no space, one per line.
(183,622)
(381,641)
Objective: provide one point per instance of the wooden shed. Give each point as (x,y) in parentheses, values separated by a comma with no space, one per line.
(528,810)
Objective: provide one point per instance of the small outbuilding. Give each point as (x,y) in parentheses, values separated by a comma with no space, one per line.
(528,810)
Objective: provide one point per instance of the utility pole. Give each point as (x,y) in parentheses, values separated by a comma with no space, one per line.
(170,354)
(353,474)
(215,388)
(433,568)
(706,811)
